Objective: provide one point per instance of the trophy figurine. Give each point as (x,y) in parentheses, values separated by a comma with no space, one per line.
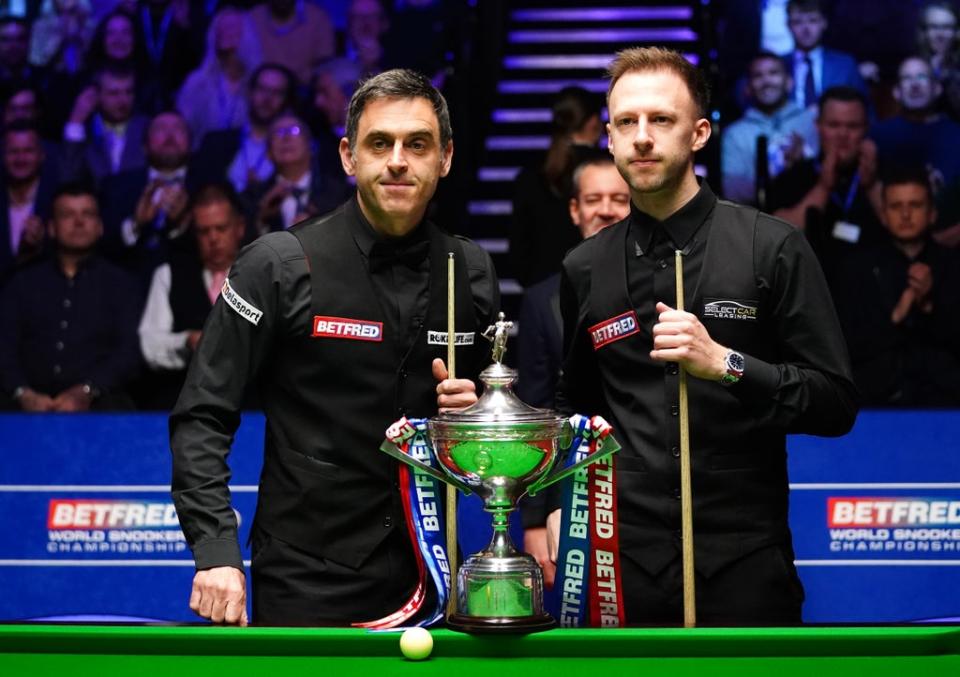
(501,449)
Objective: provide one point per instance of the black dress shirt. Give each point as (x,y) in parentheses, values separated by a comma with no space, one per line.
(59,331)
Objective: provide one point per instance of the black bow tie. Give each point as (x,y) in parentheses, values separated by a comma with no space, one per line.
(384,255)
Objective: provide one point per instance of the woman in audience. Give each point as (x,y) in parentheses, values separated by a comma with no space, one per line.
(213,97)
(61,35)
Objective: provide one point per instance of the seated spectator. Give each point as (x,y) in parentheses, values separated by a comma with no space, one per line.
(294,33)
(541,231)
(240,155)
(303,185)
(183,291)
(367,24)
(68,341)
(899,303)
(332,86)
(116,43)
(939,42)
(104,135)
(790,130)
(601,198)
(61,34)
(816,68)
(145,210)
(15,65)
(919,136)
(25,197)
(835,197)
(213,96)
(172,49)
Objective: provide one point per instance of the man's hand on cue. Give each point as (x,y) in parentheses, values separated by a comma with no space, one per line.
(220,594)
(679,336)
(452,393)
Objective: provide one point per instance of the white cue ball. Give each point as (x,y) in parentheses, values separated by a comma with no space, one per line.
(416,643)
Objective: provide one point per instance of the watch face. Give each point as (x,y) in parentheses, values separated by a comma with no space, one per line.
(735,361)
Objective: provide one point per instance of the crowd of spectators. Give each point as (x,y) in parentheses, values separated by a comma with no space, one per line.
(143,143)
(870,173)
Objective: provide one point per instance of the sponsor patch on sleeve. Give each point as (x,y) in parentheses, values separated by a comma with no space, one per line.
(614,329)
(730,309)
(346,328)
(244,308)
(460,338)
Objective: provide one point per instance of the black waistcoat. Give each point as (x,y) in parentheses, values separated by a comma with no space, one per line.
(325,487)
(738,470)
(188,296)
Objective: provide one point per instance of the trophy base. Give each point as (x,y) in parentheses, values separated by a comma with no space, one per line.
(484,625)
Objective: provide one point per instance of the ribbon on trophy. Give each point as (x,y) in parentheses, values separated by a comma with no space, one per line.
(588,581)
(419,493)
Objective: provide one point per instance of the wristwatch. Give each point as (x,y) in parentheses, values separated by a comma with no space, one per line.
(733,362)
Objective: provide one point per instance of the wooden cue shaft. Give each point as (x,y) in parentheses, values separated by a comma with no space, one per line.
(451,491)
(686,491)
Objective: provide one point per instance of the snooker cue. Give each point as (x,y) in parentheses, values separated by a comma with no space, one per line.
(451,490)
(686,492)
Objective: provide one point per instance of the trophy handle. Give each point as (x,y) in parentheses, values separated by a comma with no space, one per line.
(605,446)
(392,449)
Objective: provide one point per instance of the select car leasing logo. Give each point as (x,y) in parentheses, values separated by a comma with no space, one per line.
(729,309)
(900,511)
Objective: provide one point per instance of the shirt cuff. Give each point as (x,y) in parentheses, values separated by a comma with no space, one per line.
(129,231)
(74,131)
(218,552)
(759,381)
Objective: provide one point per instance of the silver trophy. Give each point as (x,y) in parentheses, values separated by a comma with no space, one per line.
(500,449)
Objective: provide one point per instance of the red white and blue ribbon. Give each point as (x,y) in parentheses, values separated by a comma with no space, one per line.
(420,495)
(588,582)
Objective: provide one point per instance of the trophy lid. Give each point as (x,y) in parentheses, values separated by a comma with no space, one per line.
(498,403)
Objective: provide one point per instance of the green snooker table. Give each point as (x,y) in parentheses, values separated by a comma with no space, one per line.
(184,651)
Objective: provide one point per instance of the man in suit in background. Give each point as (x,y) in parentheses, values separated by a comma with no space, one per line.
(104,136)
(816,68)
(25,197)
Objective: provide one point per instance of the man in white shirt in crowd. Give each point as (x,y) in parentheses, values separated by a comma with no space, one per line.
(184,290)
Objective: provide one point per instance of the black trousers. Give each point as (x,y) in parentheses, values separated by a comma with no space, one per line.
(760,589)
(294,588)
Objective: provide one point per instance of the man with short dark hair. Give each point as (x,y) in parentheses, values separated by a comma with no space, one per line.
(899,303)
(24,198)
(758,341)
(241,156)
(790,131)
(335,321)
(68,340)
(834,198)
(145,210)
(816,68)
(104,134)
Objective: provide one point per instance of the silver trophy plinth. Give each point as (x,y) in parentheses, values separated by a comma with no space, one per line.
(500,449)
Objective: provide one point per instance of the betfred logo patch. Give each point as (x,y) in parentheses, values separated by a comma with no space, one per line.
(614,329)
(346,328)
(110,514)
